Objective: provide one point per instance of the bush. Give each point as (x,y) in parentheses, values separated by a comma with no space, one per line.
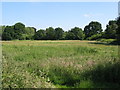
(95,37)
(107,40)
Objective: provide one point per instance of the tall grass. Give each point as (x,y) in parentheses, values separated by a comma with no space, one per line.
(52,64)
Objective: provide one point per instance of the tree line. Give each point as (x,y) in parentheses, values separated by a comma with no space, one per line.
(92,31)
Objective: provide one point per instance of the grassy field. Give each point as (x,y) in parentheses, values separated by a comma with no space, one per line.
(60,64)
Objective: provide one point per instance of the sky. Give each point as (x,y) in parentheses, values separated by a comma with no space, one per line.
(66,15)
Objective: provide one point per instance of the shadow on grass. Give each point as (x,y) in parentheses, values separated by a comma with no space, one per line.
(104,43)
(105,74)
(63,77)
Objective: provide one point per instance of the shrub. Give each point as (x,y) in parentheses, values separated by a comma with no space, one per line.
(107,40)
(95,37)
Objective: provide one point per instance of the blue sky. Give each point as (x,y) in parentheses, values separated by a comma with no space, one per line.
(58,14)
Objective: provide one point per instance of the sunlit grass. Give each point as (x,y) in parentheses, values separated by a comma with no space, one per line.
(55,63)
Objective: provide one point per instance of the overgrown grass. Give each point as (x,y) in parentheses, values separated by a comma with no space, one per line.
(62,64)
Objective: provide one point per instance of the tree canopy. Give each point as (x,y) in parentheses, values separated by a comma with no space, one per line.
(111,28)
(75,33)
(40,35)
(92,29)
(59,33)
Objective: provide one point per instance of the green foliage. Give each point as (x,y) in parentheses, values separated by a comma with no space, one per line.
(107,40)
(18,31)
(78,33)
(2,28)
(75,33)
(29,33)
(107,72)
(19,27)
(64,35)
(30,30)
(40,35)
(59,33)
(92,29)
(95,37)
(70,36)
(118,31)
(50,33)
(8,33)
(110,31)
(62,76)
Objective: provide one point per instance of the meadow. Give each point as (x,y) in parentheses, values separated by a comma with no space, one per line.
(60,64)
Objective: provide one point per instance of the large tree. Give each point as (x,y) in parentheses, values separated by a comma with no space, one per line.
(2,28)
(78,33)
(50,33)
(75,33)
(40,35)
(28,33)
(70,35)
(8,33)
(92,29)
(118,31)
(58,33)
(110,31)
(19,30)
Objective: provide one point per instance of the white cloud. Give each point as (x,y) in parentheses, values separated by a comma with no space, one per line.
(87,15)
(93,15)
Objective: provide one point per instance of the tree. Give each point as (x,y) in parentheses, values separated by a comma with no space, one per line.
(19,30)
(8,33)
(20,27)
(92,28)
(70,35)
(95,37)
(64,35)
(58,33)
(78,33)
(110,31)
(75,33)
(29,33)
(118,31)
(40,35)
(2,28)
(50,33)
(34,28)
